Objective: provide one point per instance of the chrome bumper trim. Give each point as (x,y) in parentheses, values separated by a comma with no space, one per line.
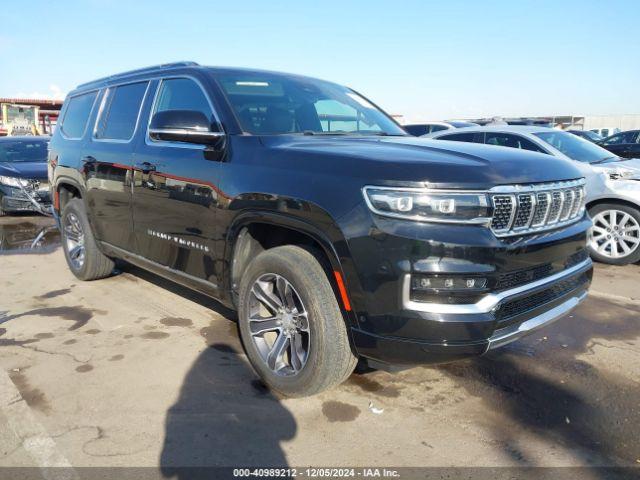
(488,302)
(533,324)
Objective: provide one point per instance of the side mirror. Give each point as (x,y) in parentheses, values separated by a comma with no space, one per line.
(186,126)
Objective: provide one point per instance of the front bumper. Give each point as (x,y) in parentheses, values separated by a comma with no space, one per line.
(15,200)
(544,276)
(496,331)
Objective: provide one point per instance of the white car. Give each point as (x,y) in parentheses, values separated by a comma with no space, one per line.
(613,183)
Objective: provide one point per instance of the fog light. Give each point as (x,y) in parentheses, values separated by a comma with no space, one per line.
(436,282)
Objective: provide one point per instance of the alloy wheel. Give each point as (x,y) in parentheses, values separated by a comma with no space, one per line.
(74,240)
(615,234)
(279,324)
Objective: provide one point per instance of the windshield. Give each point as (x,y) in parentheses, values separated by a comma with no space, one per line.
(23,151)
(575,147)
(268,104)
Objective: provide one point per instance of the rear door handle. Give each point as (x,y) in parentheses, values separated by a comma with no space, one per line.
(145,167)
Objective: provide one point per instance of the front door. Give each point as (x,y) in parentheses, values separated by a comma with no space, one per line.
(174,191)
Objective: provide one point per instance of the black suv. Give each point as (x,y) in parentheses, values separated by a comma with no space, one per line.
(301,204)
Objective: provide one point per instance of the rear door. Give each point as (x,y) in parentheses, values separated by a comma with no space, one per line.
(634,147)
(174,190)
(108,158)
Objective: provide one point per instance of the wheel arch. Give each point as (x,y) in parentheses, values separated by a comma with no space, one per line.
(254,232)
(612,200)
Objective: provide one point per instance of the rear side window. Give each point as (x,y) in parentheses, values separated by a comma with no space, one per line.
(459,137)
(120,112)
(77,115)
(512,141)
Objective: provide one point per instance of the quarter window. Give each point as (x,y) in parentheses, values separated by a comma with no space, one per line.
(459,137)
(120,112)
(77,115)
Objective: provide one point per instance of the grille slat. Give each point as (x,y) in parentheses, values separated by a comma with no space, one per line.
(534,208)
(517,307)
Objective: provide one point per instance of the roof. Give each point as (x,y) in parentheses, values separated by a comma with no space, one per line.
(44,138)
(177,66)
(500,128)
(31,101)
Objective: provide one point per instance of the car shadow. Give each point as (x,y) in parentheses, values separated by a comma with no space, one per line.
(224,415)
(548,385)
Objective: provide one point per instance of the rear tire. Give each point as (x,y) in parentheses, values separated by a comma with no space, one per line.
(301,298)
(615,235)
(80,246)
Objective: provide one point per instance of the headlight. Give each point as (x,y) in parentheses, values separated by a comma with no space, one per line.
(615,173)
(14,182)
(428,205)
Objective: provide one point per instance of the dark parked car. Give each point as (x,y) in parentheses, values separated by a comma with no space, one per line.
(419,129)
(587,135)
(23,175)
(623,144)
(305,207)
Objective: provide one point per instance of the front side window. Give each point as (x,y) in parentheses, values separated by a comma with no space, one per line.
(182,94)
(575,147)
(77,115)
(120,111)
(23,151)
(437,128)
(270,104)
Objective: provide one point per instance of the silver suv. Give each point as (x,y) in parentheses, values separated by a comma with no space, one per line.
(613,183)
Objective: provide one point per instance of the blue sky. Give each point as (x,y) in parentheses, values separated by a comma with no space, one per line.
(423,59)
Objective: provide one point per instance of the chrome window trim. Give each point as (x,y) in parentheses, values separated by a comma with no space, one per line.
(488,302)
(66,109)
(163,143)
(103,102)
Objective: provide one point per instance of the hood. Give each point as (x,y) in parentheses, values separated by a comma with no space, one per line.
(438,163)
(30,170)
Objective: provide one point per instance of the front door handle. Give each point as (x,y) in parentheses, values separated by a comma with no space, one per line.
(145,167)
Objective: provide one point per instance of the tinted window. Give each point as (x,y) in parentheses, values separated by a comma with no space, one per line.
(271,104)
(513,141)
(437,128)
(182,94)
(77,115)
(416,130)
(23,151)
(120,111)
(624,137)
(458,137)
(574,147)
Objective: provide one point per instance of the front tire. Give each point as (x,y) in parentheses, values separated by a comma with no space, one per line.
(291,325)
(80,246)
(615,235)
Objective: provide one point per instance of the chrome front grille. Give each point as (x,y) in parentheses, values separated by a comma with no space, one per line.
(521,209)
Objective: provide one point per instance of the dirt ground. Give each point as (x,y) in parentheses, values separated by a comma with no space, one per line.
(134,370)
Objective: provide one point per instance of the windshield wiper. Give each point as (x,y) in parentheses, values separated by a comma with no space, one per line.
(604,160)
(311,132)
